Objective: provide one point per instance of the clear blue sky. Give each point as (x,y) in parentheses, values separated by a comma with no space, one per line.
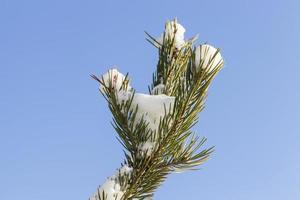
(56,141)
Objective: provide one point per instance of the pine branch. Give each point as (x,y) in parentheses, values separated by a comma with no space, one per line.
(154,149)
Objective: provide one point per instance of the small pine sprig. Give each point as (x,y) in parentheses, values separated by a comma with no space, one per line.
(185,75)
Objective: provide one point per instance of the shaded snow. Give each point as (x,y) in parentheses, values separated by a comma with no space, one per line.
(159,89)
(204,53)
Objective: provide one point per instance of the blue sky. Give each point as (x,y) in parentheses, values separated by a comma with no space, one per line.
(56,141)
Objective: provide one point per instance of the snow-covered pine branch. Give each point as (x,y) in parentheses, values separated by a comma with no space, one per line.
(155,128)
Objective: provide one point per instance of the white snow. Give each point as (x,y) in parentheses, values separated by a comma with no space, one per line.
(111,188)
(169,33)
(151,108)
(116,77)
(204,53)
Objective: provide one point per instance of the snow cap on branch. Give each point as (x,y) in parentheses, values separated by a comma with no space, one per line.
(151,108)
(114,79)
(110,188)
(208,57)
(173,30)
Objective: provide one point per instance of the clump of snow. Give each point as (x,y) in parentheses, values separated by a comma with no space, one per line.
(205,53)
(159,89)
(151,108)
(146,148)
(173,30)
(111,189)
(116,79)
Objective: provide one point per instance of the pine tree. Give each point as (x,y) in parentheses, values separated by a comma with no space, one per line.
(155,128)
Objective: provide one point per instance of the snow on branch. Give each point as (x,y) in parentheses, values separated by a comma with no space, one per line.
(155,129)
